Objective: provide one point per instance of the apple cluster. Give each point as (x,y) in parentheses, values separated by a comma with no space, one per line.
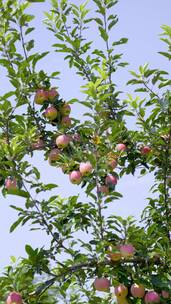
(56,111)
(120,251)
(136,291)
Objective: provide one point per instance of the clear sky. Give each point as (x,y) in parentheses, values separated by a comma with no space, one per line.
(139,21)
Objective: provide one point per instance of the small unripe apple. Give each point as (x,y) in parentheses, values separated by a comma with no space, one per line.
(121,291)
(14,298)
(86,168)
(137,290)
(41,96)
(75,177)
(165,294)
(52,93)
(112,163)
(145,150)
(111,180)
(66,109)
(62,141)
(38,145)
(11,184)
(51,113)
(127,250)
(101,284)
(103,189)
(114,253)
(152,297)
(66,121)
(54,155)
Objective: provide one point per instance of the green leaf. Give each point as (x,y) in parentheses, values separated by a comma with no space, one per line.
(167,55)
(103,33)
(16,224)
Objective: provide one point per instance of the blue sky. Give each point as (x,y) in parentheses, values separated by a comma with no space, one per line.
(139,21)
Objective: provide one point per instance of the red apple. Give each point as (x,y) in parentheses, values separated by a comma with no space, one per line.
(10,183)
(86,168)
(114,253)
(75,177)
(66,109)
(52,93)
(103,189)
(111,181)
(137,290)
(54,155)
(101,284)
(66,121)
(51,113)
(41,96)
(39,145)
(121,147)
(14,298)
(62,141)
(121,291)
(165,294)
(127,250)
(152,297)
(145,150)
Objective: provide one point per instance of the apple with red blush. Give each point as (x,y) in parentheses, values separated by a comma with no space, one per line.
(152,297)
(101,284)
(11,183)
(121,147)
(51,113)
(62,141)
(75,177)
(137,290)
(41,96)
(14,298)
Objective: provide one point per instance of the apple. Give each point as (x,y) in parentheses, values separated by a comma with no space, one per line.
(75,177)
(127,250)
(111,181)
(137,290)
(10,183)
(52,93)
(112,163)
(66,121)
(145,150)
(66,109)
(54,155)
(41,96)
(103,189)
(51,113)
(14,298)
(62,141)
(165,294)
(113,253)
(101,284)
(86,168)
(121,291)
(152,297)
(38,145)
(121,147)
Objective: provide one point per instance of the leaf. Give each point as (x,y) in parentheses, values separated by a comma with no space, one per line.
(166,55)
(103,33)
(18,192)
(16,224)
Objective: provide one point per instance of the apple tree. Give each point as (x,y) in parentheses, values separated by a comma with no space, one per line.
(93,255)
